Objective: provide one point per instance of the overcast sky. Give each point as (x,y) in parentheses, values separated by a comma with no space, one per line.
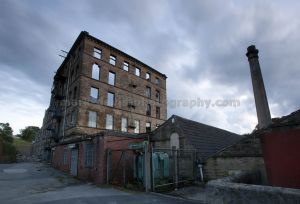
(200,45)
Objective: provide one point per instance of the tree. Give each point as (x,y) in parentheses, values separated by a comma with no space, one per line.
(29,133)
(6,132)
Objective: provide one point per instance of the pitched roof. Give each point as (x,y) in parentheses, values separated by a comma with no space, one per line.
(206,139)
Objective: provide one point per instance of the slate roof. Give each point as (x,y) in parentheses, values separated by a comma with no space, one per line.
(208,140)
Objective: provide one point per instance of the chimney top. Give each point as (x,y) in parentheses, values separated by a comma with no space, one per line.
(252,52)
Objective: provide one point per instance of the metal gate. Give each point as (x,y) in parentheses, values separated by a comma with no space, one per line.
(172,168)
(126,168)
(74,162)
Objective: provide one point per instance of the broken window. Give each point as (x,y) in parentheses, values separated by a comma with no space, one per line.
(137,71)
(157,81)
(148,127)
(148,111)
(97,53)
(94,95)
(112,60)
(96,72)
(148,76)
(126,66)
(157,95)
(148,92)
(158,112)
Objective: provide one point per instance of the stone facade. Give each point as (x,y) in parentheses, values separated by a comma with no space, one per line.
(139,94)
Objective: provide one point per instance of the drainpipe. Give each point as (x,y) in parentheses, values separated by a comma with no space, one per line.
(260,96)
(200,166)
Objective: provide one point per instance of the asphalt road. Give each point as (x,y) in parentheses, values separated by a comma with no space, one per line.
(28,183)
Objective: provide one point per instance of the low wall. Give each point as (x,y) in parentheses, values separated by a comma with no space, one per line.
(231,190)
(220,167)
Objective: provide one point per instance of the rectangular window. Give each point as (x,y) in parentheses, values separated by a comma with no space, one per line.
(148,92)
(148,76)
(148,111)
(112,60)
(137,126)
(97,53)
(96,72)
(157,81)
(158,112)
(148,127)
(109,122)
(94,95)
(126,66)
(89,154)
(124,125)
(137,71)
(92,119)
(111,78)
(65,157)
(157,95)
(110,99)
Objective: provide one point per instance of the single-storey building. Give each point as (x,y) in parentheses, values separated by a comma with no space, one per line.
(244,155)
(187,134)
(86,157)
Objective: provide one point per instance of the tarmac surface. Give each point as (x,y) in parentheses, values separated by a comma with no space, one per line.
(28,183)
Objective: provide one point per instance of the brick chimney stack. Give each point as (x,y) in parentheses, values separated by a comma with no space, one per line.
(261,101)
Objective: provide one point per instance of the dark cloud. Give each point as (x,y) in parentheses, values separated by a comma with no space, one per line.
(199,45)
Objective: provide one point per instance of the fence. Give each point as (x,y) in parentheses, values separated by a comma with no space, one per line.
(172,168)
(125,168)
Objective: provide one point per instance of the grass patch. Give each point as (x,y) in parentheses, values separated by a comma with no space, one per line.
(18,142)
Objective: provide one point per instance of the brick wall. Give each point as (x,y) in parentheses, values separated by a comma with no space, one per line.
(96,173)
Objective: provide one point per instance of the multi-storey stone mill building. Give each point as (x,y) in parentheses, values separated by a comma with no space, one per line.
(99,87)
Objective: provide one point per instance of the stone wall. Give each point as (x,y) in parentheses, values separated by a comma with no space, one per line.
(219,167)
(232,190)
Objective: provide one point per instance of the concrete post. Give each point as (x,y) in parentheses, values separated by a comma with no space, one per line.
(260,96)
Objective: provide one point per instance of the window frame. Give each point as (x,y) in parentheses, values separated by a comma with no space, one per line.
(124,65)
(149,76)
(97,51)
(92,99)
(112,122)
(113,60)
(137,72)
(148,92)
(124,129)
(89,154)
(90,117)
(137,127)
(98,67)
(114,81)
(113,99)
(157,112)
(148,127)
